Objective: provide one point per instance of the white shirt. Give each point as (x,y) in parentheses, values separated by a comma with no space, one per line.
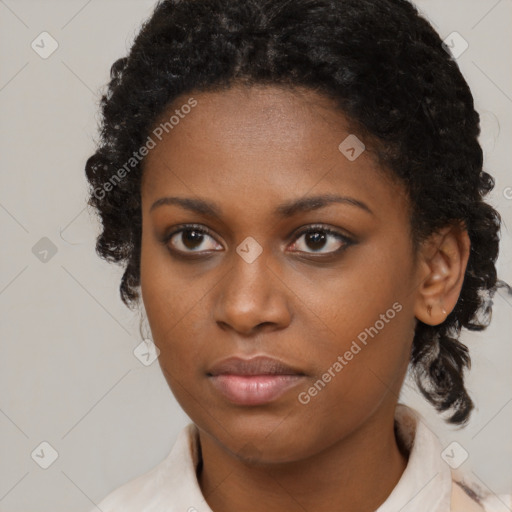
(426,485)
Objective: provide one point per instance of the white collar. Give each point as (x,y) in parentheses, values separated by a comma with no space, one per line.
(172,486)
(426,483)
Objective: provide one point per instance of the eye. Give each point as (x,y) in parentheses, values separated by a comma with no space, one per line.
(191,239)
(321,237)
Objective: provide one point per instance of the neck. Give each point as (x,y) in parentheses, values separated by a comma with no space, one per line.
(357,473)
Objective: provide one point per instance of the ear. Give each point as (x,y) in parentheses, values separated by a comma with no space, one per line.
(441,267)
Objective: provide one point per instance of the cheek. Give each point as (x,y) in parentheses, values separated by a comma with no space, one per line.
(161,292)
(172,315)
(171,306)
(367,307)
(360,292)
(175,305)
(360,367)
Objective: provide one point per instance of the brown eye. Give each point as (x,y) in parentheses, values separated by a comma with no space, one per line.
(317,238)
(192,240)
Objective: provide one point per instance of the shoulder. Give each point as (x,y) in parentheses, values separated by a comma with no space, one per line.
(453,490)
(163,488)
(136,494)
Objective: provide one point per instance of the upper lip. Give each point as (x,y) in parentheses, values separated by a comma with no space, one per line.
(259,365)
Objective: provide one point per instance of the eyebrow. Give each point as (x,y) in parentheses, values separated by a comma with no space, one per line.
(287,209)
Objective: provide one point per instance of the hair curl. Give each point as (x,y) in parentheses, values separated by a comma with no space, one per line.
(389,73)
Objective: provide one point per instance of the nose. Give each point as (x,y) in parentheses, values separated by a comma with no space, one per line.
(252,298)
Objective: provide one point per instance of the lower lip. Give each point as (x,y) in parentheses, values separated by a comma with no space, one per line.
(254,389)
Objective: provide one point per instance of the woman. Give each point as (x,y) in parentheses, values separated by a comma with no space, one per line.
(296,192)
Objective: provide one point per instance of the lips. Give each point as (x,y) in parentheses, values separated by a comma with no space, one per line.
(260,365)
(254,381)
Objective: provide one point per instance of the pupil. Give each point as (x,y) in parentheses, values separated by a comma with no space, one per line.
(192,238)
(317,240)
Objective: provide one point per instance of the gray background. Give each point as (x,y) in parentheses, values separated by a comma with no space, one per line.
(68,375)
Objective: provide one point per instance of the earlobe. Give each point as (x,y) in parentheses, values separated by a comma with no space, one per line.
(443,310)
(443,264)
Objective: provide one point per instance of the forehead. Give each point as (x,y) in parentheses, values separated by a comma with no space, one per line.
(265,143)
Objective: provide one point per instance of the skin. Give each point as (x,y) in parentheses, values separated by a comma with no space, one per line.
(249,150)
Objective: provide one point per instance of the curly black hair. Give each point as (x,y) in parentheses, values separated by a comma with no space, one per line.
(389,73)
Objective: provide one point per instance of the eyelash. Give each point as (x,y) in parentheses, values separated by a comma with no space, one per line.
(310,229)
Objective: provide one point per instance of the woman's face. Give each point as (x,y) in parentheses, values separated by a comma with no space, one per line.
(335,306)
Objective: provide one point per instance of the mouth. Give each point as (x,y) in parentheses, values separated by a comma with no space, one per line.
(254,381)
